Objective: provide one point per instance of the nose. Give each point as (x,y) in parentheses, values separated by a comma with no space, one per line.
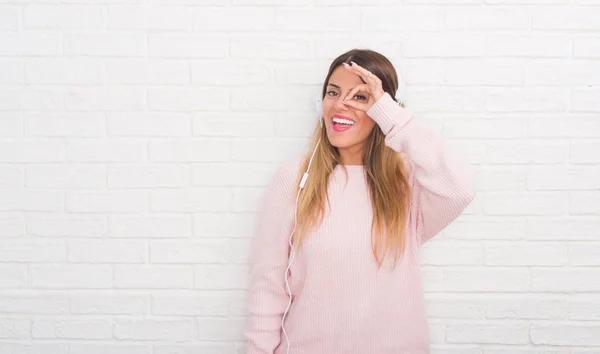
(339,103)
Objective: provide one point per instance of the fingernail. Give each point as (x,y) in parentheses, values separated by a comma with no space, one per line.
(353,63)
(345,64)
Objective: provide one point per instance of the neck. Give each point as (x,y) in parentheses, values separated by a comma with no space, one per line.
(351,155)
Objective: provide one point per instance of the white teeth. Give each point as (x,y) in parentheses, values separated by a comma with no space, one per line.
(343,121)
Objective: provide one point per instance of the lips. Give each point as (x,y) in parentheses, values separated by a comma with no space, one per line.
(341,123)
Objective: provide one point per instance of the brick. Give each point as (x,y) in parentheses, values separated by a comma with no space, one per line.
(585,151)
(526,151)
(103,99)
(153,277)
(64,124)
(526,309)
(106,150)
(71,276)
(12,226)
(234,124)
(224,329)
(196,150)
(148,176)
(125,71)
(565,280)
(270,47)
(9,17)
(585,99)
(109,303)
(485,128)
(203,251)
(148,124)
(107,202)
(224,225)
(31,99)
(107,251)
(12,71)
(485,279)
(584,254)
(563,178)
(14,276)
(66,225)
(187,45)
(584,308)
(219,19)
(230,73)
(210,303)
(154,329)
(221,277)
(520,45)
(485,71)
(32,150)
(188,99)
(21,251)
(584,202)
(586,46)
(168,18)
(30,44)
(72,329)
(31,200)
(306,19)
(500,178)
(454,308)
(266,150)
(11,176)
(487,18)
(488,333)
(106,44)
(531,203)
(17,328)
(564,334)
(570,228)
(487,228)
(570,18)
(525,254)
(65,176)
(109,348)
(233,174)
(34,348)
(452,253)
(194,200)
(204,348)
(451,44)
(565,125)
(156,226)
(64,17)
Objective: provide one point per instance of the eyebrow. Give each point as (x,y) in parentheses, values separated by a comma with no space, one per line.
(334,85)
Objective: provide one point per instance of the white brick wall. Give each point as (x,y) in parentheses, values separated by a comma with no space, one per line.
(136,138)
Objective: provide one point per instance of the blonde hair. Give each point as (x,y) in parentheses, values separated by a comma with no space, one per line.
(385,172)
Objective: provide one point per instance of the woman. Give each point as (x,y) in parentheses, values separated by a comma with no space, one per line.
(380,185)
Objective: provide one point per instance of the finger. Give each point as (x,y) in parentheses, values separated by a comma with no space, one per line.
(355,71)
(355,89)
(365,73)
(357,105)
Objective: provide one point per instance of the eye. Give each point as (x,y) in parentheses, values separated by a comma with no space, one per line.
(331,93)
(360,97)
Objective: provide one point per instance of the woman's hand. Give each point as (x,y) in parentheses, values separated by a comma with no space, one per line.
(372,86)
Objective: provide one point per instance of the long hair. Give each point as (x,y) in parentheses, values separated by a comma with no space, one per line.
(385,172)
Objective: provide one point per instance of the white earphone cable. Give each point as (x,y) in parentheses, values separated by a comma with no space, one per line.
(290,243)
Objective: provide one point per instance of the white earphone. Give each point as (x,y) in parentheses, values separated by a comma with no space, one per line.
(399,96)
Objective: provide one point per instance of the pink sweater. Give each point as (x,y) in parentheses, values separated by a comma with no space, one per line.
(341,302)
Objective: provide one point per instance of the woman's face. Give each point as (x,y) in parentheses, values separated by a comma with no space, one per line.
(350,138)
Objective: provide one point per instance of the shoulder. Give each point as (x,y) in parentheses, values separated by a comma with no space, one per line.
(286,176)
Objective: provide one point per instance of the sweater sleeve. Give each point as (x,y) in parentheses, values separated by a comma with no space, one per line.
(267,293)
(443,184)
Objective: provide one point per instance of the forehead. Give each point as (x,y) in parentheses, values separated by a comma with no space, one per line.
(344,78)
